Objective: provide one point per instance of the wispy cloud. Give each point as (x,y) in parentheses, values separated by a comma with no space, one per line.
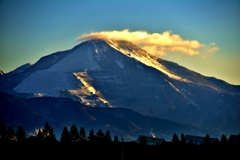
(211,48)
(155,43)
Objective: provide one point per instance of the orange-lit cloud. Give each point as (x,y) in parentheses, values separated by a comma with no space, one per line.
(158,44)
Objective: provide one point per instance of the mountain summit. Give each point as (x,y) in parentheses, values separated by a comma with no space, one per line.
(115,73)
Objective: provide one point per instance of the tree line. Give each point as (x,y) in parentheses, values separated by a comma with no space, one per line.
(73,135)
(47,134)
(207,139)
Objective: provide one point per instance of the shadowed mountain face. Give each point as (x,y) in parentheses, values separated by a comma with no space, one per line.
(32,114)
(116,74)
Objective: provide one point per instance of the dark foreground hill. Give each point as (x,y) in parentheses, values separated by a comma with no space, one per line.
(32,114)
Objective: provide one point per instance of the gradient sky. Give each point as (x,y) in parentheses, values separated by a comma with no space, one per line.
(32,29)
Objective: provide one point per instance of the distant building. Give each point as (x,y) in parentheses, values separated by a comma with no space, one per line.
(197,139)
(151,140)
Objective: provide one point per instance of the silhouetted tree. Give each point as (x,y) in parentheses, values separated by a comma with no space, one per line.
(40,135)
(82,135)
(107,137)
(99,135)
(238,138)
(143,140)
(183,140)
(74,135)
(48,132)
(65,135)
(207,140)
(3,130)
(223,139)
(175,138)
(231,139)
(91,136)
(115,139)
(11,133)
(20,134)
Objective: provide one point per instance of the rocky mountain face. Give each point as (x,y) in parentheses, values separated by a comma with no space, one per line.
(118,74)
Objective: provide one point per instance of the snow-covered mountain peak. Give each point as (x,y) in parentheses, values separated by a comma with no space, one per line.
(80,57)
(117,73)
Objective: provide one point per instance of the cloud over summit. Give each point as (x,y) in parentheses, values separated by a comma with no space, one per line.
(158,44)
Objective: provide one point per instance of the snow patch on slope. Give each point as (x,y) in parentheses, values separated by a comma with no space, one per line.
(174,87)
(184,95)
(120,64)
(190,100)
(47,83)
(83,77)
(80,59)
(83,94)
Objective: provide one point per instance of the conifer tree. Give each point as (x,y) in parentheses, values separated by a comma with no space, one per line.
(48,132)
(230,139)
(115,138)
(20,134)
(65,135)
(207,140)
(183,140)
(3,130)
(11,133)
(107,137)
(99,135)
(82,135)
(91,136)
(40,135)
(238,138)
(74,135)
(223,139)
(175,138)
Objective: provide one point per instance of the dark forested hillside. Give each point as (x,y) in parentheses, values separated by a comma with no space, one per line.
(32,113)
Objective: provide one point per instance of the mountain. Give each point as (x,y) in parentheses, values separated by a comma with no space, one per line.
(33,113)
(118,74)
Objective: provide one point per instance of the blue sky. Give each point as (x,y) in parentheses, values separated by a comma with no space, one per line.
(32,29)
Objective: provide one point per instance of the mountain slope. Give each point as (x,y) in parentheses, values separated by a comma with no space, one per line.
(115,74)
(59,112)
